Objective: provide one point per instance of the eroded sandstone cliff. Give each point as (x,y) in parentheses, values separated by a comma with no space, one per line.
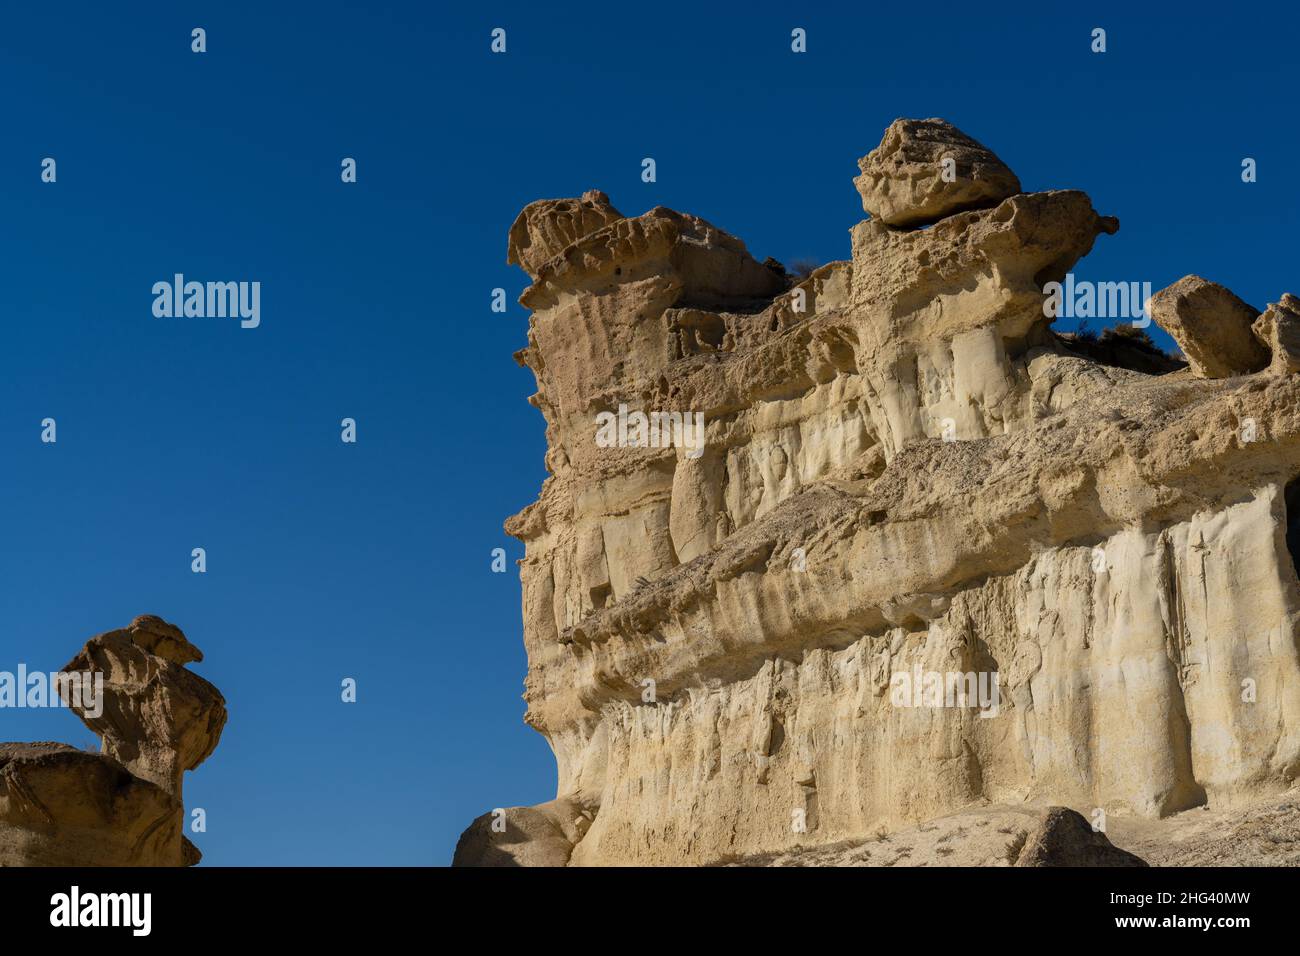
(905,471)
(60,806)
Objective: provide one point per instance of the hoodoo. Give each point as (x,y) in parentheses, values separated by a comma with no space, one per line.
(60,806)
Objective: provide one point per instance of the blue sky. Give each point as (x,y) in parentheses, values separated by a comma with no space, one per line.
(372,560)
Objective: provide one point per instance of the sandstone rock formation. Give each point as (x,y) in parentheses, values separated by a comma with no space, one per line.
(60,806)
(546,228)
(904,181)
(906,475)
(543,835)
(1278,329)
(1212,327)
(1064,838)
(993,836)
(160,719)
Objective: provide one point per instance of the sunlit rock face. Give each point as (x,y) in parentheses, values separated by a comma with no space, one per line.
(60,806)
(904,472)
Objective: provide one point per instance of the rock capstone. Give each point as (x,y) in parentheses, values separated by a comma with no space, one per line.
(924,170)
(60,806)
(547,227)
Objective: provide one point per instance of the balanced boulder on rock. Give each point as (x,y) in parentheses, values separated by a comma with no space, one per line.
(1212,327)
(924,170)
(60,806)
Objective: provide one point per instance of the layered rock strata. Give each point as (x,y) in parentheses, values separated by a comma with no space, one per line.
(905,472)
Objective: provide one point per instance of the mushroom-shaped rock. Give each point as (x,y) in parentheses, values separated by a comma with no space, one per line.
(60,806)
(926,169)
(158,719)
(1212,327)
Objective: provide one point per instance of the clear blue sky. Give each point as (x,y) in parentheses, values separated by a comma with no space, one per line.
(371,560)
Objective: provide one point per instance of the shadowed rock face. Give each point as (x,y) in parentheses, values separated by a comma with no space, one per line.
(60,806)
(905,472)
(1065,838)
